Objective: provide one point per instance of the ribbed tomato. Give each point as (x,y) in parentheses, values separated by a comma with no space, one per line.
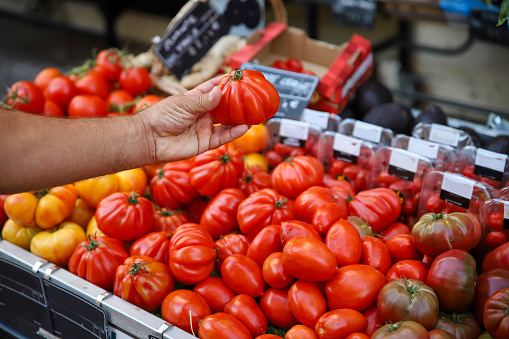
(296,174)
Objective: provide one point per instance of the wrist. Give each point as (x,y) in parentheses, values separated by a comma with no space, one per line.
(146,137)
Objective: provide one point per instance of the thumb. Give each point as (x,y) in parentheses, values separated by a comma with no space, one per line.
(200,103)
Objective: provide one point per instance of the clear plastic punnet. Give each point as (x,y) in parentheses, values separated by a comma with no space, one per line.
(446,192)
(486,166)
(494,218)
(376,135)
(403,172)
(442,134)
(440,155)
(346,158)
(293,137)
(325,120)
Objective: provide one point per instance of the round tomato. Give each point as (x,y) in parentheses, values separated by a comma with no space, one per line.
(375,254)
(498,258)
(296,174)
(254,178)
(152,244)
(294,65)
(96,260)
(120,100)
(306,302)
(355,287)
(144,282)
(255,139)
(496,312)
(247,98)
(125,216)
(403,329)
(274,304)
(146,101)
(135,80)
(18,234)
(410,269)
(486,285)
(94,83)
(220,215)
(133,180)
(243,275)
(25,96)
(441,334)
(312,198)
(109,62)
(60,90)
(96,189)
(494,239)
(265,243)
(435,204)
(496,221)
(301,332)
(342,232)
(273,272)
(51,109)
(185,309)
(460,325)
(340,323)
(401,247)
(215,292)
(86,106)
(228,245)
(44,76)
(222,325)
(245,308)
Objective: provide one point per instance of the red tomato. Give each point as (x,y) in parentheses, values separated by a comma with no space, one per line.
(498,258)
(410,269)
(96,260)
(354,286)
(394,229)
(344,240)
(169,220)
(295,175)
(195,209)
(135,80)
(496,221)
(144,282)
(296,228)
(294,65)
(265,243)
(245,309)
(191,254)
(44,76)
(220,215)
(217,169)
(441,334)
(215,292)
(152,244)
(273,158)
(125,216)
(263,208)
(146,101)
(243,275)
(460,325)
(340,323)
(51,109)
(452,276)
(222,325)
(109,61)
(326,215)
(301,332)
(120,100)
(247,98)
(25,96)
(254,178)
(380,207)
(185,309)
(374,320)
(403,329)
(306,302)
(312,198)
(375,254)
(60,90)
(279,64)
(228,245)
(435,204)
(494,239)
(401,247)
(3,215)
(496,315)
(86,106)
(357,335)
(273,272)
(94,83)
(274,304)
(308,259)
(486,285)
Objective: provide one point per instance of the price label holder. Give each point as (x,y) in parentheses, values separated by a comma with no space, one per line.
(457,190)
(346,148)
(483,26)
(189,39)
(490,164)
(367,131)
(293,133)
(295,89)
(444,135)
(318,118)
(423,147)
(403,164)
(506,215)
(358,13)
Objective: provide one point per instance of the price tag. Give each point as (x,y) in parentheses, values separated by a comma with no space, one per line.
(346,148)
(457,190)
(422,147)
(318,118)
(186,42)
(403,164)
(490,164)
(444,135)
(506,215)
(295,89)
(366,131)
(359,13)
(293,133)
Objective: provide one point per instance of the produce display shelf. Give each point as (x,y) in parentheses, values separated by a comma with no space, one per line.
(123,319)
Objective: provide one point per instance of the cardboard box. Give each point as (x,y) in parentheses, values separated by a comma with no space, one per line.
(341,68)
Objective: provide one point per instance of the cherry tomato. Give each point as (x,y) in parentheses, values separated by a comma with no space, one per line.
(42,78)
(294,65)
(120,100)
(87,105)
(146,101)
(25,96)
(60,90)
(109,62)
(496,221)
(94,83)
(494,239)
(135,80)
(435,204)
(51,109)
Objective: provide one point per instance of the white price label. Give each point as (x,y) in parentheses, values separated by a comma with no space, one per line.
(404,159)
(346,144)
(492,160)
(444,135)
(422,147)
(294,129)
(366,131)
(457,189)
(506,210)
(321,119)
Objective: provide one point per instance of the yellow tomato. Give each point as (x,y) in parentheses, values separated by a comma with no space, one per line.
(81,213)
(21,208)
(57,245)
(18,234)
(132,180)
(255,140)
(93,230)
(259,159)
(96,189)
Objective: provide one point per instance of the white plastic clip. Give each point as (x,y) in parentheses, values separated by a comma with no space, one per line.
(163,328)
(101,297)
(38,265)
(50,270)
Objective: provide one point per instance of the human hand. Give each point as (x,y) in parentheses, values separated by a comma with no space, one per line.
(180,127)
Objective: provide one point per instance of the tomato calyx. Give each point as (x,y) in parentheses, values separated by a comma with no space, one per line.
(160,173)
(349,198)
(12,97)
(167,212)
(82,70)
(392,327)
(249,178)
(41,193)
(225,158)
(281,204)
(453,317)
(93,243)
(236,76)
(437,216)
(138,267)
(410,289)
(132,199)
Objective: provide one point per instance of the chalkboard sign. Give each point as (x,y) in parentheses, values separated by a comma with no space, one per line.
(295,89)
(483,26)
(358,13)
(186,42)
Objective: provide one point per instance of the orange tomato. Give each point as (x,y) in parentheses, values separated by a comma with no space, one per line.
(81,213)
(96,189)
(93,230)
(18,234)
(255,139)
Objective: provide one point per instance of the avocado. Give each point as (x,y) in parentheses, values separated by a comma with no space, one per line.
(392,115)
(368,95)
(432,114)
(498,144)
(476,138)
(348,112)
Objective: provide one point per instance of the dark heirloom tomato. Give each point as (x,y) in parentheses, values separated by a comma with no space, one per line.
(220,215)
(306,302)
(230,244)
(96,260)
(486,285)
(243,275)
(266,242)
(312,198)
(215,292)
(245,308)
(274,304)
(375,254)
(340,323)
(191,254)
(308,259)
(166,219)
(273,272)
(379,207)
(171,186)
(345,242)
(452,277)
(247,98)
(496,314)
(410,269)
(217,169)
(296,228)
(408,299)
(262,208)
(437,233)
(498,258)
(25,96)
(296,174)
(153,244)
(185,309)
(401,330)
(461,325)
(438,333)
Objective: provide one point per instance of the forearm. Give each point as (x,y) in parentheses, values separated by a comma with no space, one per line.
(39,152)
